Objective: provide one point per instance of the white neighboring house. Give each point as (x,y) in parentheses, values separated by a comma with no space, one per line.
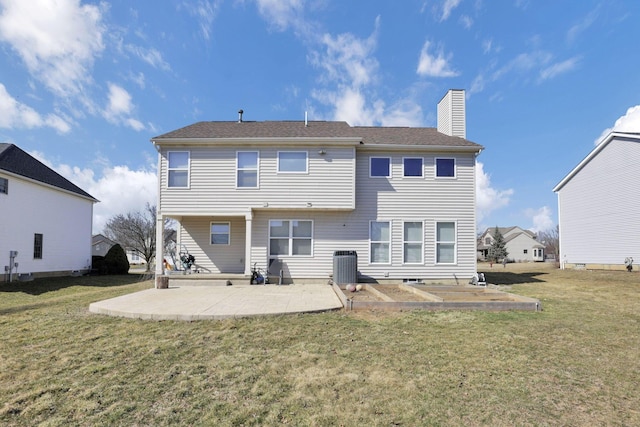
(599,206)
(45,218)
(286,195)
(521,245)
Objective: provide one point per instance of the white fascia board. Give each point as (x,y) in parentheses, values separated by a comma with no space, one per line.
(347,142)
(414,147)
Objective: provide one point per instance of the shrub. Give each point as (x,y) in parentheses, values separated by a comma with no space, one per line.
(116,260)
(99,265)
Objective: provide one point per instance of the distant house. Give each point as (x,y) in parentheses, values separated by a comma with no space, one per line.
(45,219)
(101,244)
(521,244)
(288,195)
(599,206)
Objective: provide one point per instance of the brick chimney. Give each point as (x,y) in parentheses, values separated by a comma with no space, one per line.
(451,114)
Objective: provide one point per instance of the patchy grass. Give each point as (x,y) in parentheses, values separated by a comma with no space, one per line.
(575,363)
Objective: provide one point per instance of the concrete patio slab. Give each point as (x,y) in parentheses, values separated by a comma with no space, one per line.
(191,303)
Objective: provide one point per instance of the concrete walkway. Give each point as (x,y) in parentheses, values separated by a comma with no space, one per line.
(219,302)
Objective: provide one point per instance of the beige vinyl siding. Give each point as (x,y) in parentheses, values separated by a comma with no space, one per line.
(328,184)
(599,207)
(194,236)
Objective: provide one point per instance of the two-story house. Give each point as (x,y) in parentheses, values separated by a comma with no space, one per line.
(521,245)
(285,195)
(45,220)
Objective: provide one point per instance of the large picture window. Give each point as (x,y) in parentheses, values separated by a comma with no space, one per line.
(220,233)
(178,167)
(37,246)
(247,169)
(290,237)
(380,242)
(445,168)
(446,242)
(412,166)
(413,242)
(380,167)
(292,161)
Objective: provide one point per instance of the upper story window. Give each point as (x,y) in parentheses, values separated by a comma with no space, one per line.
(220,233)
(380,167)
(290,237)
(37,246)
(445,168)
(4,186)
(487,240)
(412,166)
(247,169)
(178,168)
(292,161)
(446,242)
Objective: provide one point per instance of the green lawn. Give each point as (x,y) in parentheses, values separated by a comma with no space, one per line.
(575,363)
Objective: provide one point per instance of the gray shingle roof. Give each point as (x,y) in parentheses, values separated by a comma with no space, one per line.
(369,135)
(16,161)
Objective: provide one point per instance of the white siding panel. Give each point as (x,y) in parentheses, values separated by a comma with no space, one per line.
(600,205)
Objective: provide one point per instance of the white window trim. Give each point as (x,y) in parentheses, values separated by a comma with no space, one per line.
(421,169)
(257,169)
(404,261)
(436,242)
(228,224)
(306,166)
(291,239)
(455,168)
(188,168)
(388,262)
(380,157)
(5,187)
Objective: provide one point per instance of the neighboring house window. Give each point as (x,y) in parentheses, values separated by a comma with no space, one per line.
(292,161)
(37,246)
(380,167)
(525,251)
(178,169)
(445,168)
(412,241)
(446,242)
(220,233)
(290,237)
(379,242)
(487,241)
(247,169)
(412,166)
(134,256)
(4,186)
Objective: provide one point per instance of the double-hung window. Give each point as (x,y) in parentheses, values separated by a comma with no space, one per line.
(292,162)
(220,233)
(290,237)
(446,242)
(413,242)
(4,186)
(445,168)
(37,246)
(247,169)
(379,242)
(380,167)
(178,167)
(412,166)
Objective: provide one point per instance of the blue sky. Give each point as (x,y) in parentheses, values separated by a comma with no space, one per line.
(84,85)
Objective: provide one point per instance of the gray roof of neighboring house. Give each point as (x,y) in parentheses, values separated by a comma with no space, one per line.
(18,162)
(317,129)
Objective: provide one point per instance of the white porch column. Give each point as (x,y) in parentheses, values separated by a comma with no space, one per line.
(161,281)
(247,244)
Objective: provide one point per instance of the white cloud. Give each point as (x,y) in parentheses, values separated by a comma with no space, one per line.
(205,12)
(630,122)
(119,189)
(436,65)
(58,40)
(120,107)
(14,114)
(488,199)
(467,21)
(559,68)
(577,29)
(283,14)
(447,8)
(151,56)
(541,219)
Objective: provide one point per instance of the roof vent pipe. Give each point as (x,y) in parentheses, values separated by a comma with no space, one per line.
(240,116)
(306,123)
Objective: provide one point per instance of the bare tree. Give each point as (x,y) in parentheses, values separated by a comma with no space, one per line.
(551,241)
(136,231)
